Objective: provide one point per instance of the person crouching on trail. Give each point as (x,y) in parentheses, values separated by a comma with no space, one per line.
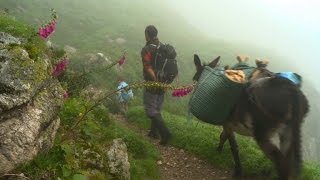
(124,95)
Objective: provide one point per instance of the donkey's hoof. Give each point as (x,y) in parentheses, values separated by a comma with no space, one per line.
(237,174)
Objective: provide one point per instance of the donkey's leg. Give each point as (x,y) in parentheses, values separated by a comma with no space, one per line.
(223,138)
(275,155)
(235,154)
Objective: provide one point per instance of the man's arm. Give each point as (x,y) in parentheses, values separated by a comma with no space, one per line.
(146,58)
(151,73)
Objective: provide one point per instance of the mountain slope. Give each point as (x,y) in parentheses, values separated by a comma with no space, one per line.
(94,26)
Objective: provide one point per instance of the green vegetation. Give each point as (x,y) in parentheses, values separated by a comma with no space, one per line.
(85,152)
(34,45)
(93,28)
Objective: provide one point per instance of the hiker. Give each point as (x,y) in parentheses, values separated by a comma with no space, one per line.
(153,97)
(124,95)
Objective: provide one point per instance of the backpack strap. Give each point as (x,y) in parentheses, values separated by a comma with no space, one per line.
(155,58)
(164,65)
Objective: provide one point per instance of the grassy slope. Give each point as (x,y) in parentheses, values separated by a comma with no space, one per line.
(86,24)
(66,159)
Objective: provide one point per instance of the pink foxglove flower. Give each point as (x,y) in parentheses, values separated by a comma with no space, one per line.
(42,32)
(54,24)
(65,94)
(122,60)
(60,67)
(181,92)
(49,28)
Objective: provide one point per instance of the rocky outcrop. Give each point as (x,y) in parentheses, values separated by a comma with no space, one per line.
(30,100)
(120,40)
(97,60)
(118,160)
(70,50)
(92,93)
(102,59)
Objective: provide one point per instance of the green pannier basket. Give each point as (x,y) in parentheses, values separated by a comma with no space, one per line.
(215,95)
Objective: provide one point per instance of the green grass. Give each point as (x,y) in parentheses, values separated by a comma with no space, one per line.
(143,155)
(85,28)
(9,24)
(202,139)
(66,159)
(34,45)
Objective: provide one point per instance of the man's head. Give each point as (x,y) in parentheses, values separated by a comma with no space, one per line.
(150,32)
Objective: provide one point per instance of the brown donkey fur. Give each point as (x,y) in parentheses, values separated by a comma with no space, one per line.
(271,107)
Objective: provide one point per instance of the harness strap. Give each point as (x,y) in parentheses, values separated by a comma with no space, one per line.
(155,59)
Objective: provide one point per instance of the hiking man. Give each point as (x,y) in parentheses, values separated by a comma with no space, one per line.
(153,97)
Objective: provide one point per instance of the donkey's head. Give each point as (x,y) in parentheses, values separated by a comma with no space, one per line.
(200,67)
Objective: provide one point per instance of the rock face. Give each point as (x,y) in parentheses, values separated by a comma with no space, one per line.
(29,103)
(118,160)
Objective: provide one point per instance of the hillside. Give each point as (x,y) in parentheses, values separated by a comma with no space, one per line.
(95,26)
(66,157)
(92,25)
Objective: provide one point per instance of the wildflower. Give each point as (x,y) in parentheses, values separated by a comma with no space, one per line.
(49,28)
(122,60)
(181,92)
(42,32)
(60,67)
(65,94)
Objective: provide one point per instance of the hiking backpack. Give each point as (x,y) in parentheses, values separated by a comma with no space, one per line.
(165,63)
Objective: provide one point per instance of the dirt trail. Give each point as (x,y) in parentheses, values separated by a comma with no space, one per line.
(177,164)
(180,165)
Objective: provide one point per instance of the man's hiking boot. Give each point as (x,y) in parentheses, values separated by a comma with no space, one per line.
(153,135)
(165,139)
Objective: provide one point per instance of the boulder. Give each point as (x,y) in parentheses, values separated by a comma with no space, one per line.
(30,100)
(118,160)
(70,50)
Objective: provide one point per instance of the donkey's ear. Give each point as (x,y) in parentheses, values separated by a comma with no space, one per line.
(214,62)
(197,61)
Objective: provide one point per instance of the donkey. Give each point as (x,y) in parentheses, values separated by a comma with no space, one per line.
(270,107)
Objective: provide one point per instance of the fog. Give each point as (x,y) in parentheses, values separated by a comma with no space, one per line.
(288,27)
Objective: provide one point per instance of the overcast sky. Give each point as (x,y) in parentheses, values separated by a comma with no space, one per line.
(292,27)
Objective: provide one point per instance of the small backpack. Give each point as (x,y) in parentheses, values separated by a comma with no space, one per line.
(165,63)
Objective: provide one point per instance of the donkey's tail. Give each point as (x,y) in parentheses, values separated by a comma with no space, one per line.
(295,153)
(300,109)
